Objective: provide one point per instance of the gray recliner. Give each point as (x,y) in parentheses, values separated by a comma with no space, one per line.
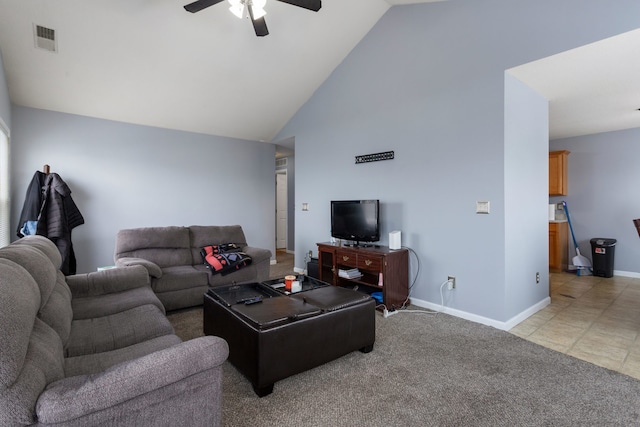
(96,349)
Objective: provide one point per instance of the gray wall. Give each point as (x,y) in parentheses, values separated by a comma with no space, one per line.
(603,193)
(125,176)
(526,138)
(428,82)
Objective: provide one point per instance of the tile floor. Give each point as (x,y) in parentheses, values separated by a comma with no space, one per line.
(592,318)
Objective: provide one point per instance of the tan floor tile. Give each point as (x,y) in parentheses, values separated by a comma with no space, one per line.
(593,302)
(614,328)
(634,349)
(628,313)
(545,314)
(523,330)
(572,290)
(592,318)
(631,365)
(561,300)
(559,333)
(602,344)
(548,344)
(579,318)
(605,362)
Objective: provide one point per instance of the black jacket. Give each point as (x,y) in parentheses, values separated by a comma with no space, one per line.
(58,216)
(32,201)
(48,202)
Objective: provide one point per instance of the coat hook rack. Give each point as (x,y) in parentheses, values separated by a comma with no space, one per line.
(46,169)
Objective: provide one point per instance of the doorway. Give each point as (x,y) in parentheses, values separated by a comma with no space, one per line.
(281,210)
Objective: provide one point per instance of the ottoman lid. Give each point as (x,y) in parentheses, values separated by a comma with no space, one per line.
(272,312)
(332,298)
(235,294)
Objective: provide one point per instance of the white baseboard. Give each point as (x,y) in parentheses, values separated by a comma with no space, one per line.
(300,270)
(626,274)
(504,326)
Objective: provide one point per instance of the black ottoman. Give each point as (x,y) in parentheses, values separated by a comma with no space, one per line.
(287,334)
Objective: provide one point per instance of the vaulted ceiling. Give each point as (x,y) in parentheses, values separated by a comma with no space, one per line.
(150,62)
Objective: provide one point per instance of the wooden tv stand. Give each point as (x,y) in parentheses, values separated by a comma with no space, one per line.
(371,261)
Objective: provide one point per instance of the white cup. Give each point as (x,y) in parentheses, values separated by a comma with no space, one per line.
(296,286)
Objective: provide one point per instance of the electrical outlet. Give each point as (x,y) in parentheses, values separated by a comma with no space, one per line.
(538,277)
(451,282)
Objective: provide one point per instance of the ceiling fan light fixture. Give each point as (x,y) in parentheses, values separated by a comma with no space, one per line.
(237,8)
(258,12)
(257,8)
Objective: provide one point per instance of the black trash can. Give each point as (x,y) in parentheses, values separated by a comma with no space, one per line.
(602,252)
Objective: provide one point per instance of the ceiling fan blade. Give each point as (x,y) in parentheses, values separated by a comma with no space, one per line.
(259,25)
(314,5)
(197,6)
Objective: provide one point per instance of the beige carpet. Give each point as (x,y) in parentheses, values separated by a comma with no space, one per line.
(428,370)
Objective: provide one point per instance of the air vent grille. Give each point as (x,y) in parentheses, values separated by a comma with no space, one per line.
(280,163)
(45,38)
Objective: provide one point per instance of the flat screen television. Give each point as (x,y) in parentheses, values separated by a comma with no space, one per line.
(355,220)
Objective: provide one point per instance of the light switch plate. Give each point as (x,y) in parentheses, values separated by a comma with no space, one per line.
(482,207)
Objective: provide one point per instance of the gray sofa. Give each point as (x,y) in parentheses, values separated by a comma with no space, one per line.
(172,257)
(96,349)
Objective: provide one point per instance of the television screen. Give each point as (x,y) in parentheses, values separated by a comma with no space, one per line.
(356,220)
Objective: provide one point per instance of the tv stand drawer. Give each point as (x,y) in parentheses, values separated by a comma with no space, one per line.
(347,258)
(369,262)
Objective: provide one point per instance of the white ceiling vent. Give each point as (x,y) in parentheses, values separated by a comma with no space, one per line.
(45,38)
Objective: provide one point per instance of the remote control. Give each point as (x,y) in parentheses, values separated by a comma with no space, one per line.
(253,301)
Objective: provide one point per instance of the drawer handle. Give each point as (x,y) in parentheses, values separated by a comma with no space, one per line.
(345,258)
(368,262)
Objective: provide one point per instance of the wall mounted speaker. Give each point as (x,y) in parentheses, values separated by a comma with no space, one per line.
(395,240)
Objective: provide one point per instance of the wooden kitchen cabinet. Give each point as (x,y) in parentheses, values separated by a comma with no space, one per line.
(558,173)
(558,247)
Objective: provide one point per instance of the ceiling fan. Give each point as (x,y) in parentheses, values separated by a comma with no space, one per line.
(254,9)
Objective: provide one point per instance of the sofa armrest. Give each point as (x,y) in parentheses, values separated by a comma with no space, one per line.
(257,254)
(152,268)
(107,281)
(157,376)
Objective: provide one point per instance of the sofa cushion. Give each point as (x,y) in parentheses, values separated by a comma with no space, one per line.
(153,269)
(98,362)
(44,245)
(57,312)
(118,330)
(104,305)
(30,351)
(41,365)
(180,277)
(19,303)
(165,246)
(37,264)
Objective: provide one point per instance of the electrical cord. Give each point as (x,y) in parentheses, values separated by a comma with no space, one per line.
(386,313)
(415,278)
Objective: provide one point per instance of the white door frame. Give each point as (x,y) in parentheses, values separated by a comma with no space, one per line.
(279,232)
